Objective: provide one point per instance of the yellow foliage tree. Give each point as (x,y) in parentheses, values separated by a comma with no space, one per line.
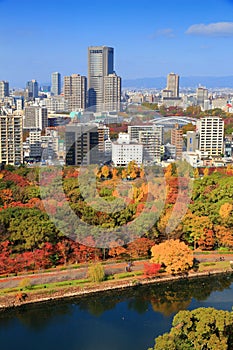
(175,255)
(225,210)
(206,172)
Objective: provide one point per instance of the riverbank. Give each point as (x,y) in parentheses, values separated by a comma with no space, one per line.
(29,297)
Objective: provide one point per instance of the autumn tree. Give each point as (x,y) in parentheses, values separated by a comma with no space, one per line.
(174,255)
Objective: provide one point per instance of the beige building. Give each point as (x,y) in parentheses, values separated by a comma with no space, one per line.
(11,139)
(112,92)
(75,91)
(177,140)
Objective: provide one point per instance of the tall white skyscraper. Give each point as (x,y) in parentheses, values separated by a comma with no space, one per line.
(56,83)
(100,64)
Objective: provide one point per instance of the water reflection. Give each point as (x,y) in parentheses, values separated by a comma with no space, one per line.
(166,299)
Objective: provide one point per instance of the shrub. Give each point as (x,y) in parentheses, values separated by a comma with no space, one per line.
(96,272)
(151,269)
(25,283)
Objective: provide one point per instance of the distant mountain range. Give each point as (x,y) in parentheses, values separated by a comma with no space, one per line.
(185,82)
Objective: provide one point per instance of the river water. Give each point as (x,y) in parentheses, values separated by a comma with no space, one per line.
(110,321)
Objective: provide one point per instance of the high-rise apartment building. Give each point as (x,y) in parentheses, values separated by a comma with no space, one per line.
(151,147)
(100,64)
(173,84)
(56,83)
(177,140)
(11,139)
(75,91)
(32,89)
(81,144)
(35,118)
(134,131)
(4,89)
(112,92)
(211,135)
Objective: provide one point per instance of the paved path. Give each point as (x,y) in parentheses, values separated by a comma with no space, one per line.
(80,273)
(65,275)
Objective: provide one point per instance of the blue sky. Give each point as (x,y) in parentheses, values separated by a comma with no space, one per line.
(151,38)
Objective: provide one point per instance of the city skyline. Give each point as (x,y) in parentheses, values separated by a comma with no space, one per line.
(189,38)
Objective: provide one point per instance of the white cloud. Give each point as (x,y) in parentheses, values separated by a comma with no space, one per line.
(218,29)
(167,32)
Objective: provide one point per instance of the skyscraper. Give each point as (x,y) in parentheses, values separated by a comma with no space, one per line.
(4,89)
(56,83)
(75,91)
(202,97)
(100,64)
(112,92)
(32,88)
(173,84)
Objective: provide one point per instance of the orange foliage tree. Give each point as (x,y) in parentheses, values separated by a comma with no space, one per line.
(175,255)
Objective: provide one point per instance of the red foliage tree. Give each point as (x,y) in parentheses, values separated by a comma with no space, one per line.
(151,269)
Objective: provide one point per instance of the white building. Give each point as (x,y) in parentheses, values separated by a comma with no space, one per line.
(124,151)
(211,135)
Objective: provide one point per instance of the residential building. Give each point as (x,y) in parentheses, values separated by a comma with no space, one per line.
(177,140)
(35,144)
(75,91)
(211,135)
(134,131)
(56,84)
(11,139)
(151,147)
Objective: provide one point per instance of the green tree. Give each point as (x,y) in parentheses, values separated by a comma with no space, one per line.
(203,328)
